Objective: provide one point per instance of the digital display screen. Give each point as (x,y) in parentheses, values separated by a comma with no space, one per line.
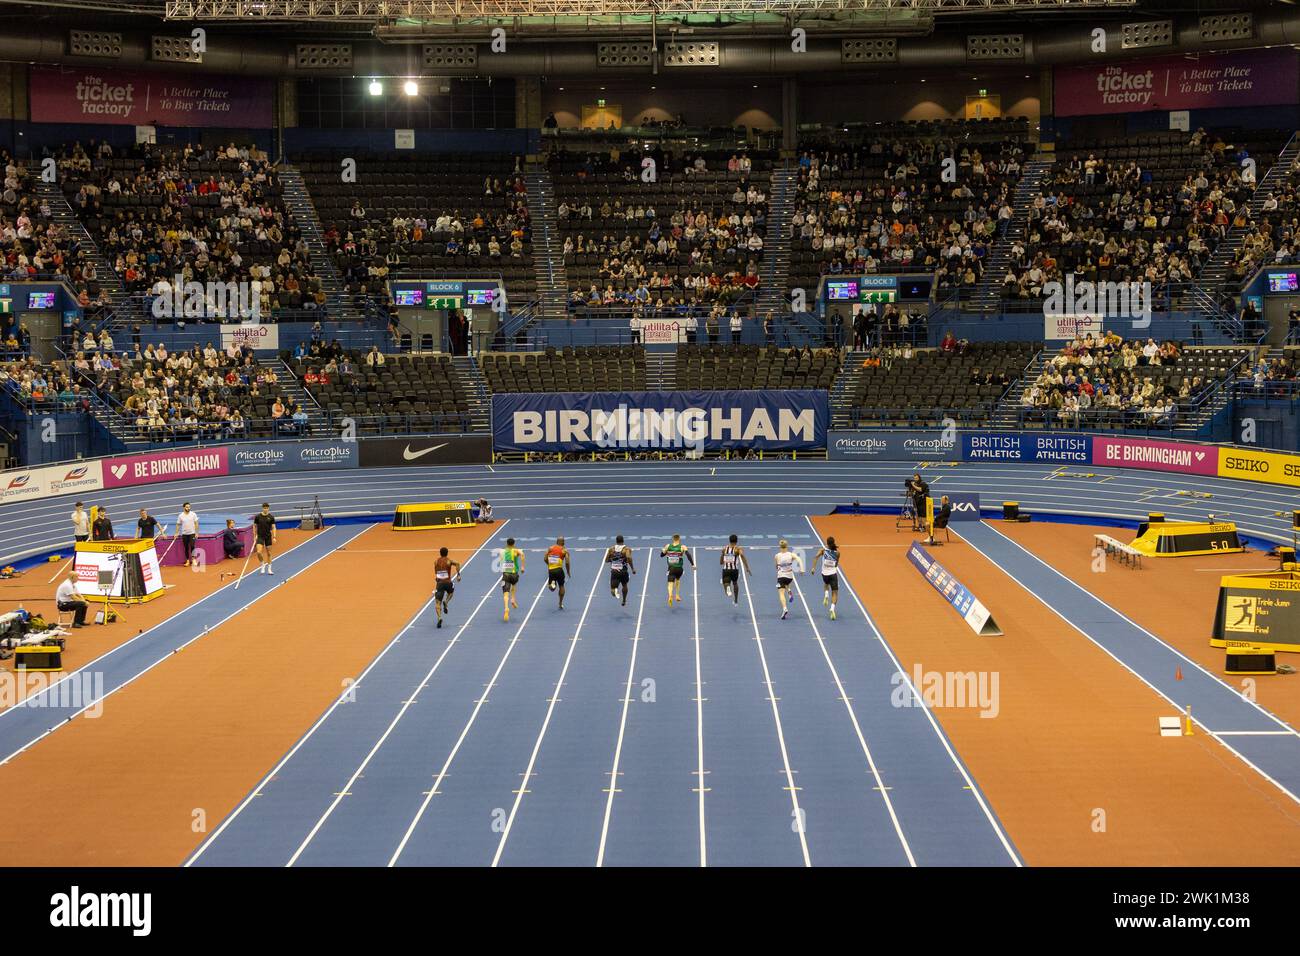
(413,297)
(40,300)
(479,296)
(842,289)
(1283,282)
(915,289)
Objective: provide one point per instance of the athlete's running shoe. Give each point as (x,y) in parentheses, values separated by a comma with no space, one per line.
(784,614)
(832,612)
(826,599)
(551,585)
(440,622)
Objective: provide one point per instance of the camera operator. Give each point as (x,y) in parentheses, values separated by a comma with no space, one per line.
(918,490)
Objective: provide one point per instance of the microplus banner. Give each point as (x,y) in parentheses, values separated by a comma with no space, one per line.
(765,420)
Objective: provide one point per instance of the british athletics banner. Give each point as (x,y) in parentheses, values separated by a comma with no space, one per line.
(766,420)
(132,98)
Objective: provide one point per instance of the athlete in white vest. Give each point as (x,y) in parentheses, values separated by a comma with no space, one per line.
(733,556)
(830,559)
(619,559)
(786,563)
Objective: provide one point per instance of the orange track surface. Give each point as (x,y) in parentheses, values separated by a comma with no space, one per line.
(86,644)
(1076,734)
(1173,598)
(195,734)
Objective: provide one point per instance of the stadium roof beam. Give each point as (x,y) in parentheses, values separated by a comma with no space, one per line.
(392,10)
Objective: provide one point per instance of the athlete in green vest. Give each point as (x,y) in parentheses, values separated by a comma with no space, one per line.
(675,552)
(512,565)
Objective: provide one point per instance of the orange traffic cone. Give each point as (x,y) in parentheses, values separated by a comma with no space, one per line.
(1178,673)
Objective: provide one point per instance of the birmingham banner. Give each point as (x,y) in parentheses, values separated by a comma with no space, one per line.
(767,420)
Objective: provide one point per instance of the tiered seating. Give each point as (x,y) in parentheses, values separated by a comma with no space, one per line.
(934,385)
(621,234)
(1126,389)
(385,224)
(880,204)
(597,368)
(159,211)
(1272,236)
(405,393)
(32,246)
(750,366)
(1150,208)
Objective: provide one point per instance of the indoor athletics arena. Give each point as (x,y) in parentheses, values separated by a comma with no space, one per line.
(652,433)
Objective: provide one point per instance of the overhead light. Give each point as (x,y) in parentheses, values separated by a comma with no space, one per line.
(411,88)
(376,88)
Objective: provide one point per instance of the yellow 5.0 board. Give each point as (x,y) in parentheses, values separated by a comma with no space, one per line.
(1261,609)
(1171,539)
(437,514)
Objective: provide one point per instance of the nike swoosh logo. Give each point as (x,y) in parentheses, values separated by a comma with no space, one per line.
(412,455)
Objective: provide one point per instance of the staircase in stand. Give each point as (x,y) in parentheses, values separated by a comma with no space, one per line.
(989,291)
(845,388)
(477,396)
(297,392)
(1007,412)
(124,309)
(297,201)
(660,371)
(548,246)
(776,248)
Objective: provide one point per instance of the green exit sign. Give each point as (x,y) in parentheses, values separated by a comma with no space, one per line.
(601,103)
(446,301)
(984,92)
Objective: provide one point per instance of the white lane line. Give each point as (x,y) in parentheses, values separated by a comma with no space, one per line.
(622,723)
(167,656)
(113,650)
(347,694)
(699,712)
(857,728)
(1131,670)
(546,721)
(1120,614)
(442,774)
(800,821)
(406,705)
(929,714)
(1250,733)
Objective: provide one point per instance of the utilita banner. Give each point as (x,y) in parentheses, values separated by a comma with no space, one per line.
(1249,78)
(130,98)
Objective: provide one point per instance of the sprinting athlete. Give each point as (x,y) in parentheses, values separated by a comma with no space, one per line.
(786,562)
(674,553)
(512,565)
(732,557)
(830,558)
(443,570)
(557,565)
(619,559)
